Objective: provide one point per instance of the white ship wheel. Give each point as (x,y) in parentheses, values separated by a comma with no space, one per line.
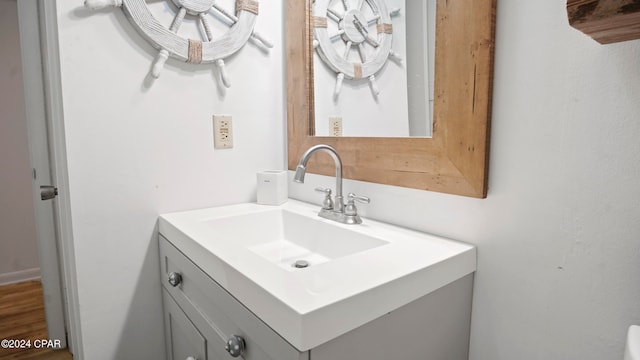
(206,50)
(355,28)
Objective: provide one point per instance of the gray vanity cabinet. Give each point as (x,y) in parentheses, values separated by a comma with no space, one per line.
(184,340)
(433,327)
(200,316)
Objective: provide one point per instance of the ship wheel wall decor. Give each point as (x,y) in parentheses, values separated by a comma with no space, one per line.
(206,50)
(366,26)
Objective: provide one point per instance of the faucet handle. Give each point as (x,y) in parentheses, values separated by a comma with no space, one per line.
(353,197)
(327,203)
(350,209)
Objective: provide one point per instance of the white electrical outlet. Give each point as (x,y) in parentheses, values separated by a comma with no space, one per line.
(222,132)
(335,126)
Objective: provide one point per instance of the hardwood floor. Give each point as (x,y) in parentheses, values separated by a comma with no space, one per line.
(22,318)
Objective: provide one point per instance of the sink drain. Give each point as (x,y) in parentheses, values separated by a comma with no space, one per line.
(300,264)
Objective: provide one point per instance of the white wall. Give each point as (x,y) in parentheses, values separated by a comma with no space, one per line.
(138,148)
(420,62)
(18,245)
(559,234)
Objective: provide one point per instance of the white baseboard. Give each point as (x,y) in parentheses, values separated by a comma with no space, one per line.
(20,276)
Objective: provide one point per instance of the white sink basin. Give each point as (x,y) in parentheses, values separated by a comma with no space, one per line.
(356,273)
(283,237)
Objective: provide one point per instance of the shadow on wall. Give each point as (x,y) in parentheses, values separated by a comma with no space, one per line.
(133,342)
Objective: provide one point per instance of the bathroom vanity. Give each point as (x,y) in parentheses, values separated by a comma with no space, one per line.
(231,287)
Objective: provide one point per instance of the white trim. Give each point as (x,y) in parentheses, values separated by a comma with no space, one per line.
(20,276)
(53,98)
(41,63)
(39,156)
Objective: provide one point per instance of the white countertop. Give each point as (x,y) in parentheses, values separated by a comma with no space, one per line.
(311,306)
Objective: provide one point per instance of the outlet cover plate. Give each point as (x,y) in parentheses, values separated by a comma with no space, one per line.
(335,126)
(222,132)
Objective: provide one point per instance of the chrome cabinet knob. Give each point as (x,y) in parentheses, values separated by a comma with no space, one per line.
(191,358)
(175,279)
(235,346)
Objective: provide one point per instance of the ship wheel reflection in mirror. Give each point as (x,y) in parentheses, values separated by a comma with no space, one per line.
(340,26)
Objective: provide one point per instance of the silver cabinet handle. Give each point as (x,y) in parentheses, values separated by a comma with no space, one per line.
(175,279)
(235,346)
(191,358)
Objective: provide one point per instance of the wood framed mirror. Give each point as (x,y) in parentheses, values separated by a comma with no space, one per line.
(455,159)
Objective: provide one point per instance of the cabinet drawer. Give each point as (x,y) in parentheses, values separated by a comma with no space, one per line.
(216,313)
(182,337)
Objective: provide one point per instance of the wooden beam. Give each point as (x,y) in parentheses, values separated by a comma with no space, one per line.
(606,21)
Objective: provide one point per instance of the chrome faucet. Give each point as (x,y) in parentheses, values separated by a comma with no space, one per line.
(332,209)
(301,171)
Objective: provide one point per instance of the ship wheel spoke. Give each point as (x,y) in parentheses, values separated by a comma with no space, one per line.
(373,7)
(372,41)
(334,15)
(347,50)
(206,26)
(336,36)
(163,54)
(361,51)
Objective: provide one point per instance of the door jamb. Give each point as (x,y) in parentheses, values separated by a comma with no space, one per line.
(58,152)
(46,20)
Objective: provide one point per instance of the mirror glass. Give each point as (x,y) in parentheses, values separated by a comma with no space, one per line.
(373,67)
